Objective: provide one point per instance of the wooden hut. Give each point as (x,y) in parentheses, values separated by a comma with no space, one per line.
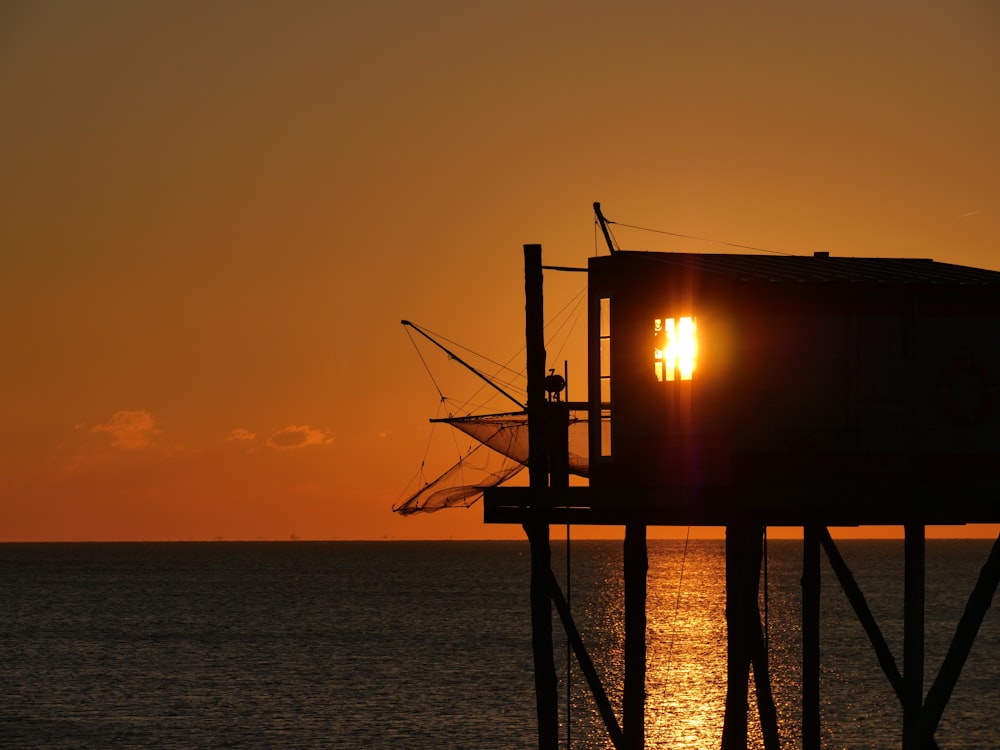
(748,391)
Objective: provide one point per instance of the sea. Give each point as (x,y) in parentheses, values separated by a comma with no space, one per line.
(428,645)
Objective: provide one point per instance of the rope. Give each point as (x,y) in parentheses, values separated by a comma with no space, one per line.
(677,602)
(701,239)
(571,319)
(470,351)
(424,363)
(419,476)
(465,406)
(767,632)
(614,240)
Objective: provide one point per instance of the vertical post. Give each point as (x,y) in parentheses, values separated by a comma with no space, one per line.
(635,564)
(738,636)
(546,686)
(534,337)
(546,690)
(913,632)
(810,638)
(766,710)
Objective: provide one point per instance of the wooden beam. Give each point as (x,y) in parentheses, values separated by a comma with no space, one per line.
(863,612)
(766,710)
(866,618)
(965,635)
(587,667)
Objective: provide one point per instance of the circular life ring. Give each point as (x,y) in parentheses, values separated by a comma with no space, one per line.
(967,390)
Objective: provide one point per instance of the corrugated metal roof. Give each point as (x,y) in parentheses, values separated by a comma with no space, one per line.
(822,268)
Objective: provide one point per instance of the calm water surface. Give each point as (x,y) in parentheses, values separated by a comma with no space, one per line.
(427,644)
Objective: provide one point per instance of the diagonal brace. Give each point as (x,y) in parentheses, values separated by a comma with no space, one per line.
(865,616)
(965,635)
(587,665)
(861,609)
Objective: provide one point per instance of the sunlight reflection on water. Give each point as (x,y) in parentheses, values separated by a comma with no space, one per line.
(686,637)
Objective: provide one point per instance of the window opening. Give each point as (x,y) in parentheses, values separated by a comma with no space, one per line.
(605,373)
(675,348)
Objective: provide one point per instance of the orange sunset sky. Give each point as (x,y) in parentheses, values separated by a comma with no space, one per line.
(215,215)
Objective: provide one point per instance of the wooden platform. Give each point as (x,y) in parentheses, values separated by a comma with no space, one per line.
(943,504)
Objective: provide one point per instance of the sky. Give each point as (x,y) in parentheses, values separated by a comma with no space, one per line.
(215,214)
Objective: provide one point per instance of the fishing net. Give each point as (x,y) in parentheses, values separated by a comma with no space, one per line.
(501,453)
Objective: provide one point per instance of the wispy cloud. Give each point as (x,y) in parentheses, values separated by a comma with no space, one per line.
(298,436)
(241,434)
(129,430)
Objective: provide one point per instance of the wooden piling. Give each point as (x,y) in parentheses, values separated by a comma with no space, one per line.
(810,637)
(636,565)
(587,667)
(741,604)
(913,633)
(546,685)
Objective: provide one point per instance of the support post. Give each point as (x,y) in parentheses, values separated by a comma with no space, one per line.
(913,632)
(546,685)
(810,638)
(534,336)
(741,609)
(635,564)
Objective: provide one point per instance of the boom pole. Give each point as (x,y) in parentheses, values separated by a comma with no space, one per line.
(462,362)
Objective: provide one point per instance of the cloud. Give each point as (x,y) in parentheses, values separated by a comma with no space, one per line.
(129,430)
(241,434)
(298,436)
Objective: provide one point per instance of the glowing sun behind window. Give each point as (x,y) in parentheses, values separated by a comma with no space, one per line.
(675,348)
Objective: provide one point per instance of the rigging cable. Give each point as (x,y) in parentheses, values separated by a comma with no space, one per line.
(576,302)
(677,602)
(441,405)
(419,475)
(568,314)
(702,239)
(767,633)
(470,351)
(424,362)
(432,336)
